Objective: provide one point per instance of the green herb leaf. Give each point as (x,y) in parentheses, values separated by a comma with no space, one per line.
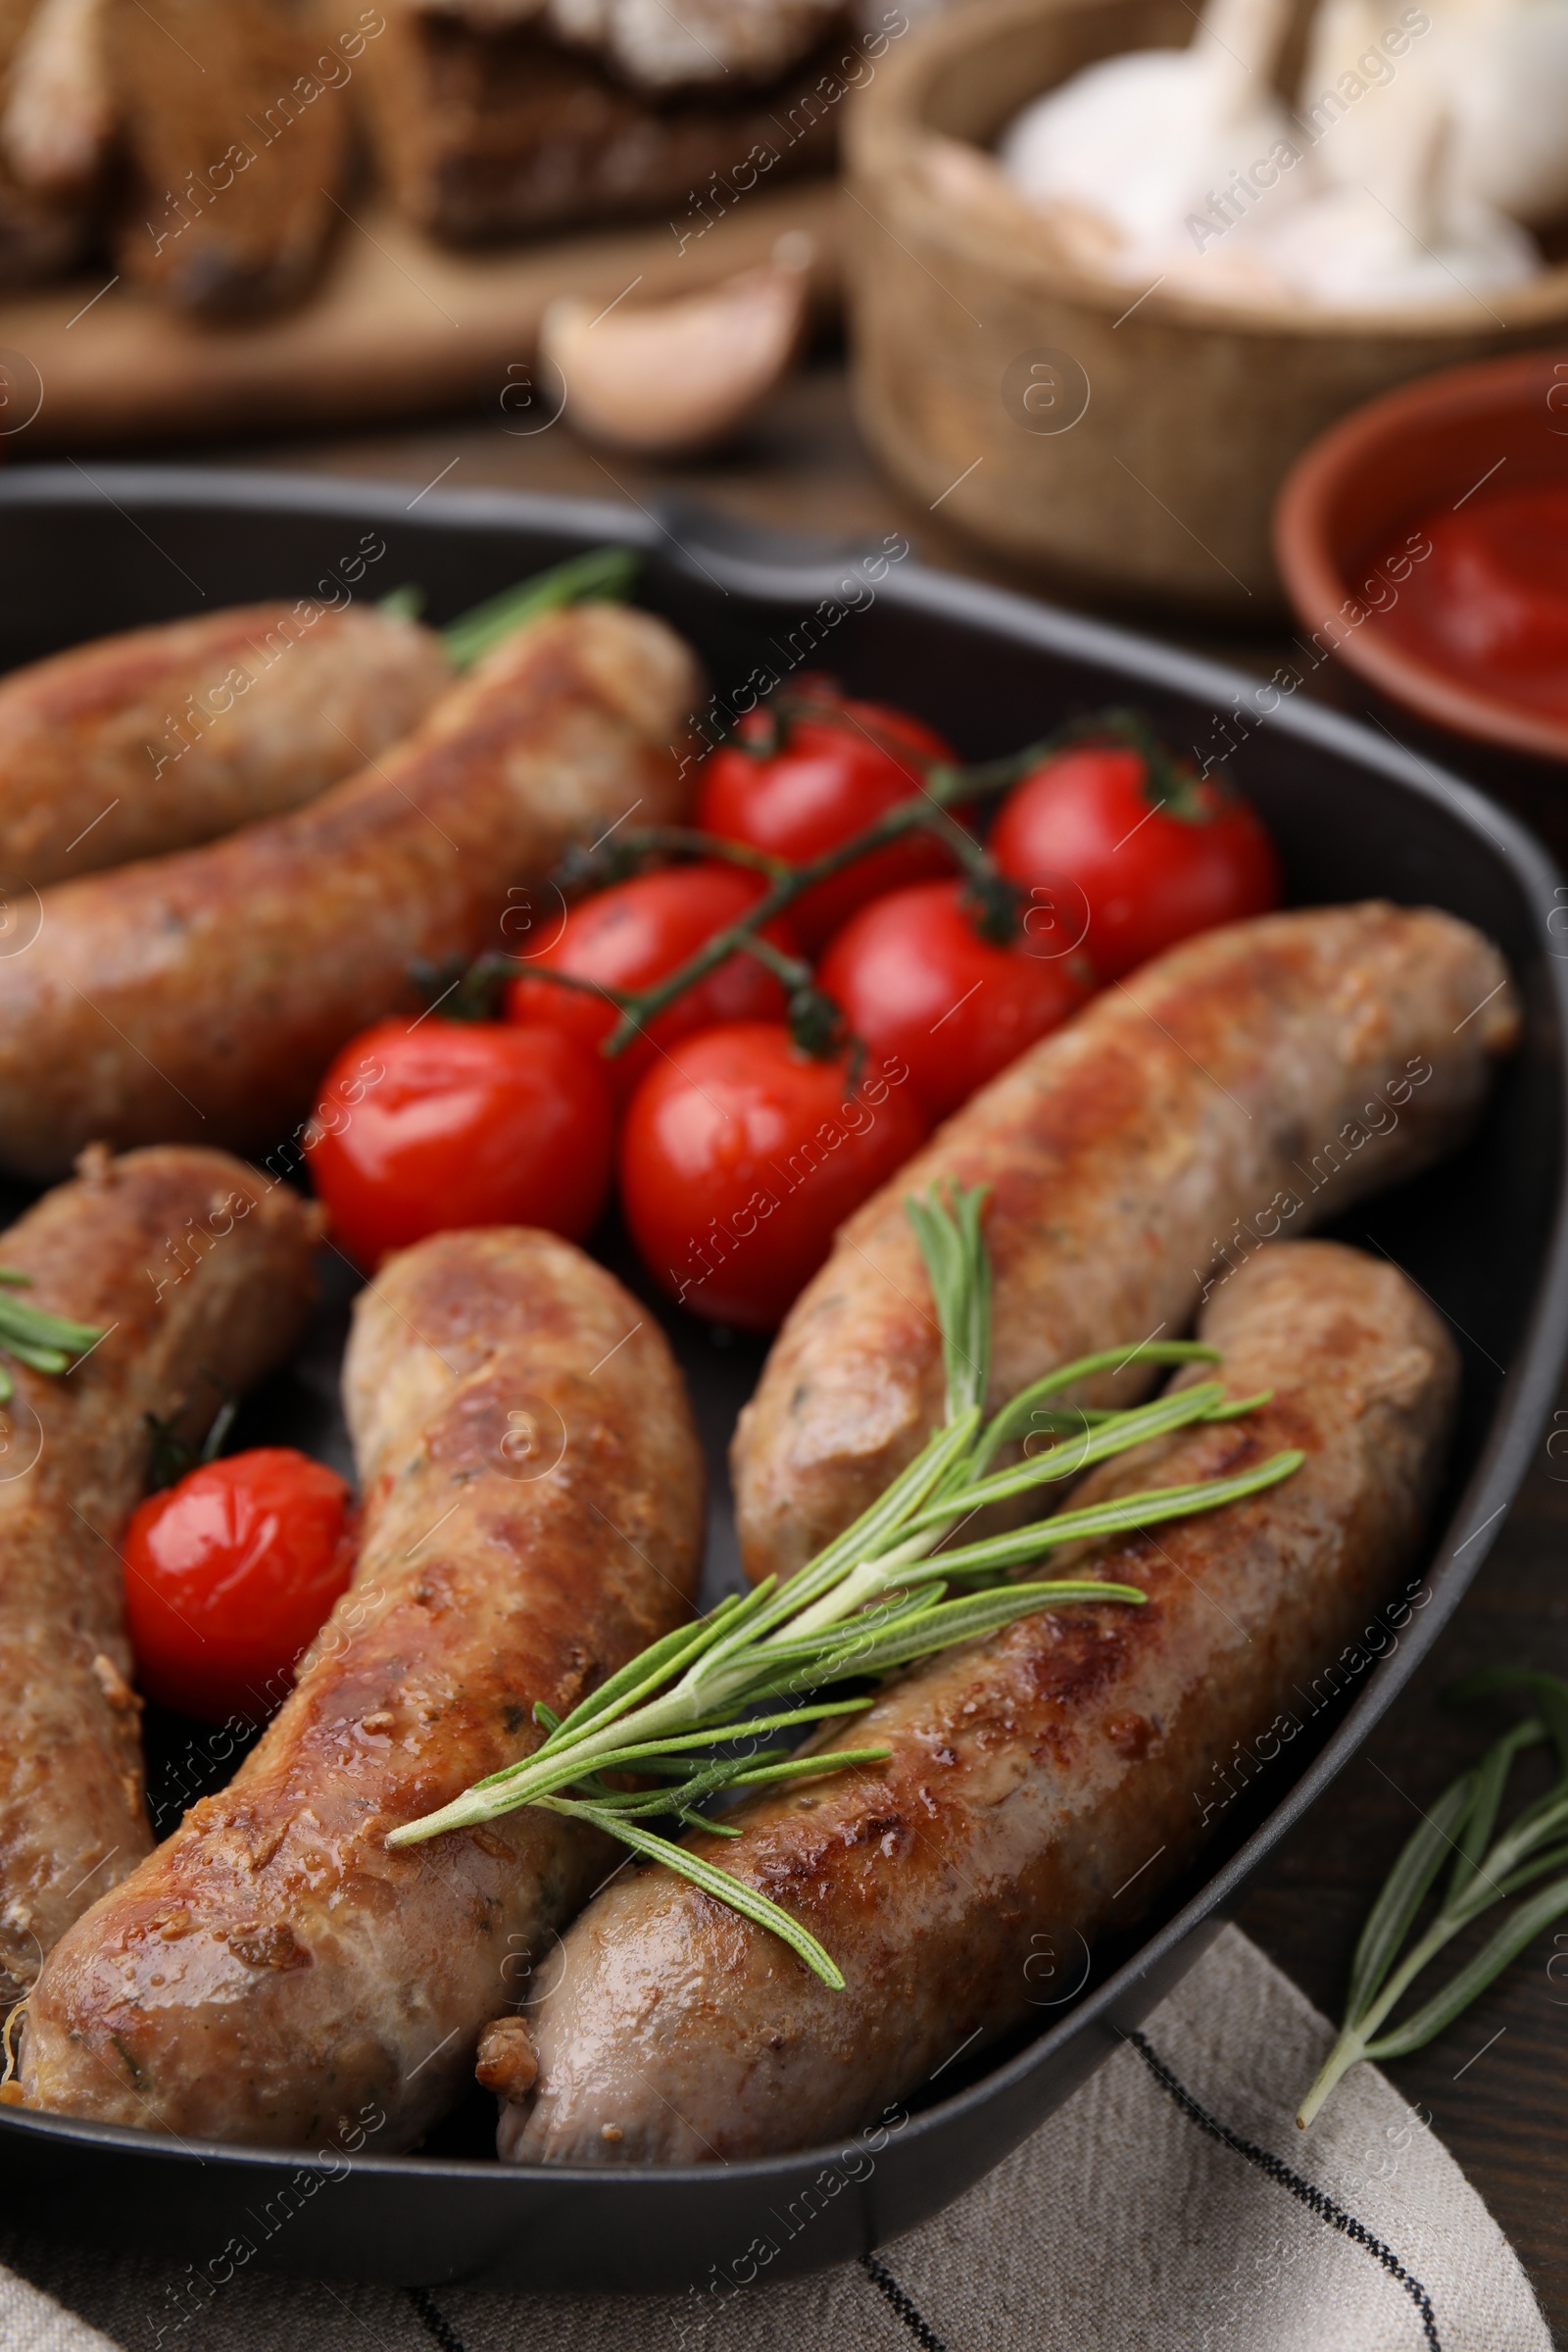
(960,1271)
(44,1343)
(603,573)
(1488,1868)
(403,603)
(1472,1980)
(1425,1852)
(1076,1453)
(1016,1419)
(867,1605)
(837,1759)
(731,1890)
(1122,1516)
(1480,1817)
(23,1322)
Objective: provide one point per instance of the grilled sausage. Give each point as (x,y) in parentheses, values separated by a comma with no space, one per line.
(201,995)
(165,737)
(273,1964)
(1043,1785)
(199,1272)
(1248,1084)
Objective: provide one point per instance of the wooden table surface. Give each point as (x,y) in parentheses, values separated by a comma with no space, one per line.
(1493,2084)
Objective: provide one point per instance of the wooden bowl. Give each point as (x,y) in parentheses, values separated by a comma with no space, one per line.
(1359,490)
(1187,413)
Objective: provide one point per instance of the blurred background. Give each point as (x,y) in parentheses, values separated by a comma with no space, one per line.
(1063,288)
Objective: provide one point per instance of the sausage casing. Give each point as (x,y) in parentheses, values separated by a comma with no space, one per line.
(203,995)
(199,1272)
(160,738)
(1041,1785)
(1248,1084)
(533,1515)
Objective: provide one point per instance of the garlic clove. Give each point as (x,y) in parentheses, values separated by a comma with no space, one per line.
(1506,73)
(1146,139)
(670,377)
(1409,232)
(1497,67)
(1344,252)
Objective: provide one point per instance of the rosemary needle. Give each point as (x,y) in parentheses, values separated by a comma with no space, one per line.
(42,1341)
(1487,1869)
(603,573)
(874,1600)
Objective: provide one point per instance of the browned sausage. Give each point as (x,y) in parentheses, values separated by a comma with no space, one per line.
(1043,1785)
(165,737)
(1246,1085)
(533,1513)
(199,1272)
(201,996)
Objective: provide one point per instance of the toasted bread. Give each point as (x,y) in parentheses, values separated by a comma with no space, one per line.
(233,135)
(484,132)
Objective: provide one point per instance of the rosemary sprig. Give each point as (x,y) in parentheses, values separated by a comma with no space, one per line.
(1487,1869)
(603,573)
(43,1342)
(402,604)
(871,1601)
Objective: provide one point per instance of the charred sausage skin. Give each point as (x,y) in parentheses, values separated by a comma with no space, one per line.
(273,1964)
(1042,1785)
(160,738)
(225,1310)
(204,993)
(1246,1085)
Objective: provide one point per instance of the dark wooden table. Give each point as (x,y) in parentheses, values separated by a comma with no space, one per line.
(1495,2083)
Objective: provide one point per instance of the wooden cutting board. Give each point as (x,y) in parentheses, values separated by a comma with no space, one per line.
(397,326)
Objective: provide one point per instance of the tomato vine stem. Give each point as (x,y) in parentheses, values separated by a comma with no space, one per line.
(816,1023)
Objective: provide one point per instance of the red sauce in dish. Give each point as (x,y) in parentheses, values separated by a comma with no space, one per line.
(1490,603)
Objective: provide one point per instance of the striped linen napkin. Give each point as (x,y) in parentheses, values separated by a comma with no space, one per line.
(1171,2206)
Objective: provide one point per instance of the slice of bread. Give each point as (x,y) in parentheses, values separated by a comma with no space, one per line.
(233,134)
(484,132)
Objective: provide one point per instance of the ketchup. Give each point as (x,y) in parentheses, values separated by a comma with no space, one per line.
(1490,603)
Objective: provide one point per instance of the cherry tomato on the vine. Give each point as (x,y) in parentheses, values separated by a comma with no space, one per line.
(913,977)
(639,932)
(801,782)
(470,1123)
(230,1574)
(739,1157)
(1086,837)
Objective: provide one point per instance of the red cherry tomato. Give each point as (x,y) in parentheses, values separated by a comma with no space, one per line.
(419,1128)
(915,980)
(1103,860)
(838,768)
(740,1157)
(229,1574)
(638,932)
